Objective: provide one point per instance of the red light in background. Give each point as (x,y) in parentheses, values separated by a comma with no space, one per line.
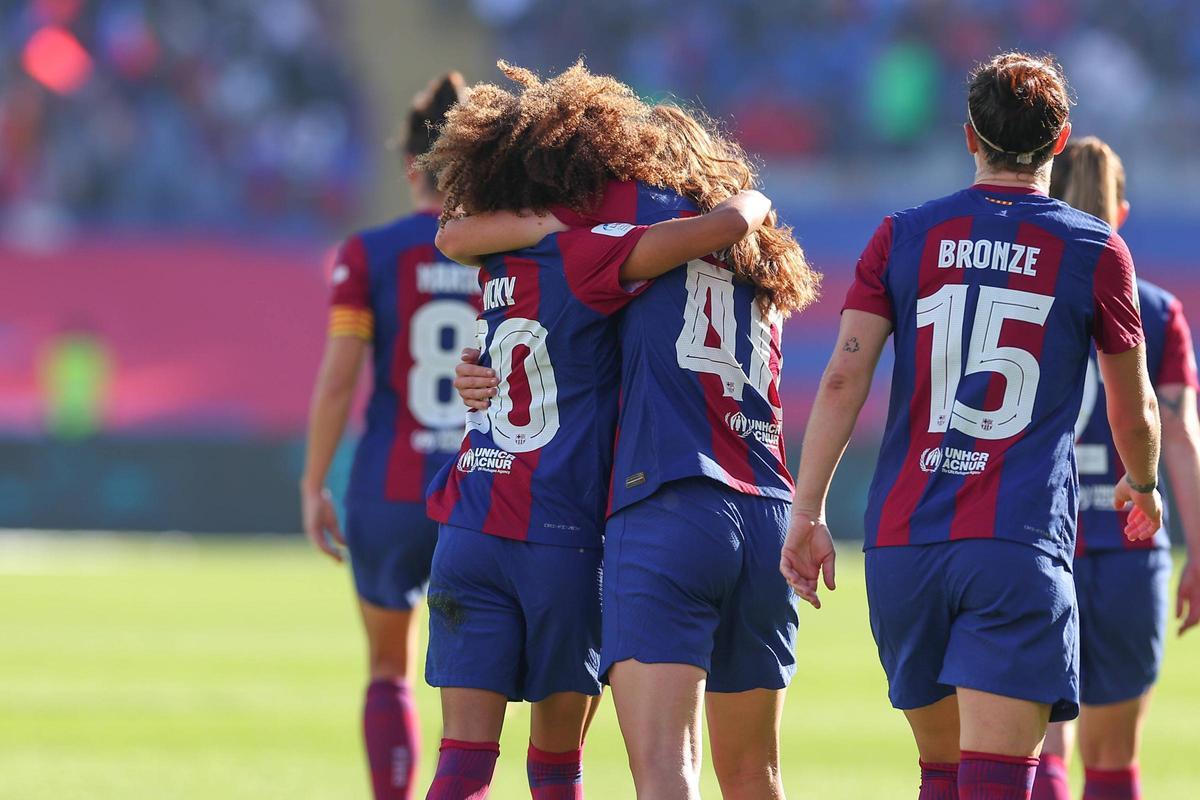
(57,60)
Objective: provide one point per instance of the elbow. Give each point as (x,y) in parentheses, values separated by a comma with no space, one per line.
(448,242)
(843,386)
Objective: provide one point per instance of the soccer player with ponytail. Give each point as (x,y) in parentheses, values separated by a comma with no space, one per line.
(993,296)
(396,296)
(1122,585)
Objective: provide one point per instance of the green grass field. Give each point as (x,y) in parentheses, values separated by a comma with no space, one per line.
(165,667)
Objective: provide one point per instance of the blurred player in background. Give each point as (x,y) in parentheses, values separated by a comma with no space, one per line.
(396,295)
(994,295)
(693,602)
(515,592)
(1122,586)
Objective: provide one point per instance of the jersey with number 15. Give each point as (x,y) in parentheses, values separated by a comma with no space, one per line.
(417,308)
(700,378)
(995,295)
(535,466)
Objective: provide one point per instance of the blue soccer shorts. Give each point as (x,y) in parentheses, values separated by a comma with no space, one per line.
(691,576)
(985,614)
(391,549)
(1123,599)
(517,618)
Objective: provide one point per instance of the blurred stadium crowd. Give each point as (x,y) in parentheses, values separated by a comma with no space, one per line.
(174,173)
(170,112)
(853,77)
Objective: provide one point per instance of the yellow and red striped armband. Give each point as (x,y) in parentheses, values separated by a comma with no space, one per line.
(351,321)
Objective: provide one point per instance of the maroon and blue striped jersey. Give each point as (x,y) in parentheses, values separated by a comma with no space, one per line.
(1171,361)
(535,466)
(417,309)
(995,295)
(700,371)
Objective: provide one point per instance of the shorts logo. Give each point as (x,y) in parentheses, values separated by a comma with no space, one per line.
(486,459)
(766,433)
(953,461)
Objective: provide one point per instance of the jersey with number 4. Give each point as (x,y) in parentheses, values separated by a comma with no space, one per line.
(995,295)
(700,376)
(417,308)
(535,466)
(1170,361)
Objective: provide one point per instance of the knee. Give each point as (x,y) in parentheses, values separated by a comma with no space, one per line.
(1109,751)
(662,770)
(749,777)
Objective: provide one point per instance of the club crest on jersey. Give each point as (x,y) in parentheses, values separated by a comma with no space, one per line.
(486,459)
(765,432)
(953,461)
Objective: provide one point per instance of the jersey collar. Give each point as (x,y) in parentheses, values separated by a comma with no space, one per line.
(994,189)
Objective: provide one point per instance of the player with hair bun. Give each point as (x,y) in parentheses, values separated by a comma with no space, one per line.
(994,296)
(395,295)
(1122,586)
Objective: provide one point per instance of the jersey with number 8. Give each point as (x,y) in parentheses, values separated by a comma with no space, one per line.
(700,378)
(417,309)
(535,466)
(995,295)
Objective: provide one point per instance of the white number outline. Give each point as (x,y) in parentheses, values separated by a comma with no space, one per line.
(543,388)
(945,311)
(432,363)
(713,284)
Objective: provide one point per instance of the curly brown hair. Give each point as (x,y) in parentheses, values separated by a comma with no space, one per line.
(561,141)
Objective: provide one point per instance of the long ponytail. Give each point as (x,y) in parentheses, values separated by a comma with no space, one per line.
(1089,176)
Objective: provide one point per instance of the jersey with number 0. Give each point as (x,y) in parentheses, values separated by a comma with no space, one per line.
(535,466)
(995,295)
(417,308)
(1170,360)
(700,375)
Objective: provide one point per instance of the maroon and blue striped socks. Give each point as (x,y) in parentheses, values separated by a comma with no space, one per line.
(393,738)
(555,776)
(464,770)
(1051,781)
(1112,784)
(990,776)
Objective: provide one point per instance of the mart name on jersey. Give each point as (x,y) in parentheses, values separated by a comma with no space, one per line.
(953,461)
(445,277)
(988,254)
(486,459)
(765,432)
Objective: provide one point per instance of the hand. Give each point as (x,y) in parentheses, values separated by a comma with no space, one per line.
(1145,518)
(808,552)
(476,385)
(321,522)
(1187,598)
(753,205)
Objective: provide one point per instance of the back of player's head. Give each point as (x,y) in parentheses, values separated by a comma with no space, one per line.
(1018,104)
(428,113)
(1090,176)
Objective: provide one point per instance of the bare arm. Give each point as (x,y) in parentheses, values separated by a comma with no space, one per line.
(467,239)
(1181,454)
(666,245)
(331,401)
(1133,418)
(808,550)
(663,247)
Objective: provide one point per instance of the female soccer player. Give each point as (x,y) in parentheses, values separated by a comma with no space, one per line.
(395,294)
(699,495)
(994,295)
(1122,585)
(515,592)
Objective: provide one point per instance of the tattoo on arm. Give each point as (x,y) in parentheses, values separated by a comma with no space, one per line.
(851,345)
(1172,404)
